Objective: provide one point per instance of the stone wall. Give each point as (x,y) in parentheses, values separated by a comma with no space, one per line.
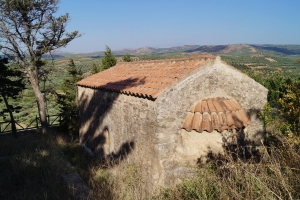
(218,80)
(129,121)
(150,132)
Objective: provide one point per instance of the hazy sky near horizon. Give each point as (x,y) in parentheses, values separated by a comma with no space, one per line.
(124,24)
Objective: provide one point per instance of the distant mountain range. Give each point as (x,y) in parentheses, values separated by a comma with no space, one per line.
(231,49)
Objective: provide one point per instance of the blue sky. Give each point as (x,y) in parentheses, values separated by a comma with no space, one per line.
(124,24)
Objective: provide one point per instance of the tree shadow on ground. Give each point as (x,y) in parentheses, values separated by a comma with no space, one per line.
(31,168)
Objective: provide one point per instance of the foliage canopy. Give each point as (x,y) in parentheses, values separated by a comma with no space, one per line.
(28,30)
(95,69)
(67,100)
(109,60)
(11,84)
(126,58)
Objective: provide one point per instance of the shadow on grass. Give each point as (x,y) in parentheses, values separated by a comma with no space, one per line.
(91,169)
(31,168)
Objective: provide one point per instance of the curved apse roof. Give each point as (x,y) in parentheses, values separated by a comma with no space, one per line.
(215,114)
(144,78)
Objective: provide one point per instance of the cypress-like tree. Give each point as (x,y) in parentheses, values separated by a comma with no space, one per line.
(109,60)
(126,58)
(11,84)
(67,100)
(95,69)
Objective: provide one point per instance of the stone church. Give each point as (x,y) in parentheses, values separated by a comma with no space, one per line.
(168,114)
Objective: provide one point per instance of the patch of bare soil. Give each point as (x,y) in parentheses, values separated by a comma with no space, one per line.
(271,59)
(86,58)
(238,47)
(259,67)
(252,49)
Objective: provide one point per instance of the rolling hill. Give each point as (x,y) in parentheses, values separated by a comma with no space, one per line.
(230,49)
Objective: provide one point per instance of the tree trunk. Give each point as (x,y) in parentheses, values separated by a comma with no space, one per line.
(12,119)
(40,100)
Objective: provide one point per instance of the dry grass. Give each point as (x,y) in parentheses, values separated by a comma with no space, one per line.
(128,182)
(275,176)
(31,168)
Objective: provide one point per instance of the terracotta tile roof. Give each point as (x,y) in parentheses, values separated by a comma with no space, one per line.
(144,78)
(215,114)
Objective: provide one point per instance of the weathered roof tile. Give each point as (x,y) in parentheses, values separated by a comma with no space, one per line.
(197,121)
(223,121)
(188,121)
(245,117)
(216,114)
(215,122)
(211,106)
(235,105)
(192,109)
(204,106)
(198,107)
(230,120)
(218,106)
(238,121)
(228,104)
(223,105)
(149,75)
(206,122)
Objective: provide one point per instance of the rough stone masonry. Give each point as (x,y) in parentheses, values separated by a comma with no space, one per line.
(135,113)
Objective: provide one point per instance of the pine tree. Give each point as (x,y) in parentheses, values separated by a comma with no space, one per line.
(109,60)
(11,84)
(30,29)
(67,100)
